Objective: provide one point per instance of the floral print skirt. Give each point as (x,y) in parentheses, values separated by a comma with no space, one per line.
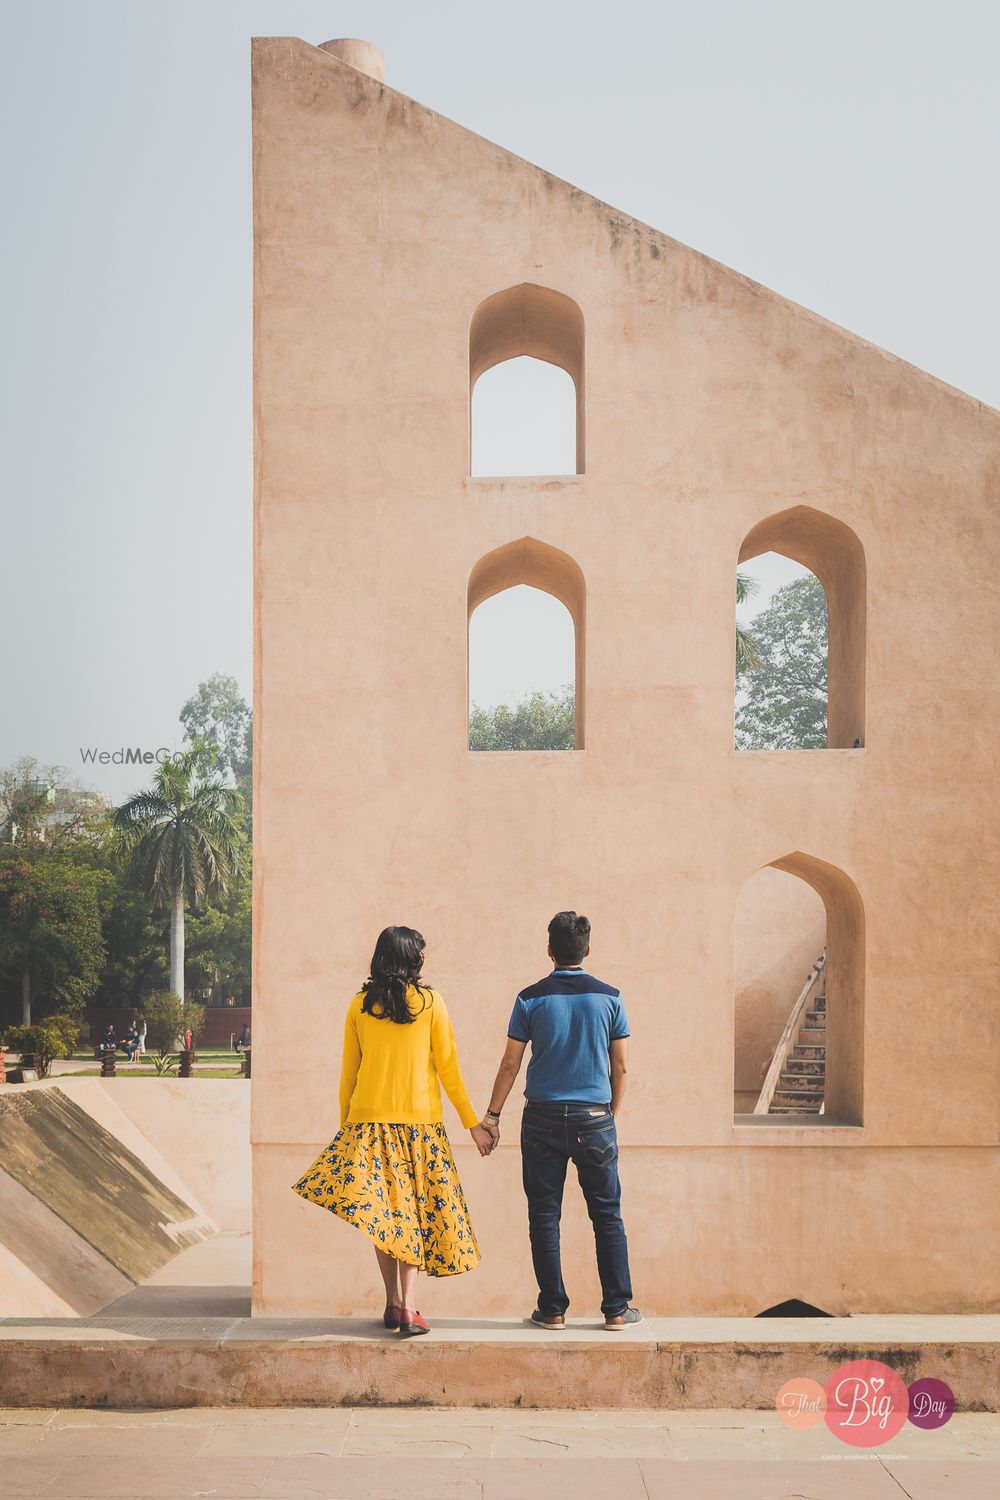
(399,1184)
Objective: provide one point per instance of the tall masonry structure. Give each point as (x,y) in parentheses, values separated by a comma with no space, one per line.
(398,256)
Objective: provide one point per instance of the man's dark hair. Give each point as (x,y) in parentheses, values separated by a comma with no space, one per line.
(568,937)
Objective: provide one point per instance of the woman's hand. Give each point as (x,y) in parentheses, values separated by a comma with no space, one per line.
(484,1138)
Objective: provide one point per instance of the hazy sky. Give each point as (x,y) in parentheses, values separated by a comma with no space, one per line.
(843,154)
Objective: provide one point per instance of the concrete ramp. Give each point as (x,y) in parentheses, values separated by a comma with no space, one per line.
(82,1215)
(46,1269)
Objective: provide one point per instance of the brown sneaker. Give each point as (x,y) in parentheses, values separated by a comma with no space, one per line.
(555,1322)
(623,1319)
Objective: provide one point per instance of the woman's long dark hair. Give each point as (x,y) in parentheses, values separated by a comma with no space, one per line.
(396,965)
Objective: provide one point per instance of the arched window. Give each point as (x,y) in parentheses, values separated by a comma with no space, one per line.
(799,947)
(527,602)
(523,420)
(800,672)
(520,415)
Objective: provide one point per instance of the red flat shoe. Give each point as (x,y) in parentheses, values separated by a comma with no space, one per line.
(390,1318)
(411,1323)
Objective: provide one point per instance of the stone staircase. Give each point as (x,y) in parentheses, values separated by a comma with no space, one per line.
(801,1082)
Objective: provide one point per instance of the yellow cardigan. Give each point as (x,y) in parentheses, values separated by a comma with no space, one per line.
(390,1070)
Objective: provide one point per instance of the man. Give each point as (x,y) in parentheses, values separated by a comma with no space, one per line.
(578,1031)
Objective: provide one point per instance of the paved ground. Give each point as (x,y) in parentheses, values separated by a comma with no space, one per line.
(393,1454)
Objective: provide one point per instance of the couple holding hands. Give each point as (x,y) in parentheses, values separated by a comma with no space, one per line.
(390,1170)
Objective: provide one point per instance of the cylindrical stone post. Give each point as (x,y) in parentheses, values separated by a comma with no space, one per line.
(246,1063)
(187,1058)
(365,57)
(109,1063)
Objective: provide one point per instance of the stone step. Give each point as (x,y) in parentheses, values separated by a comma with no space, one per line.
(695,1363)
(815,1018)
(812,1036)
(804,1098)
(814,1050)
(801,1083)
(820,1002)
(812,1067)
(793,1109)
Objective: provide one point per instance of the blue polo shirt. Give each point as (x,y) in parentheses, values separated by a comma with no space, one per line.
(570,1018)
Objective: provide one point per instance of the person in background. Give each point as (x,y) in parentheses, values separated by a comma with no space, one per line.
(578,1032)
(142,1035)
(130,1042)
(390,1171)
(109,1041)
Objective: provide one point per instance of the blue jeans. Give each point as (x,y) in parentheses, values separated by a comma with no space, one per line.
(552,1135)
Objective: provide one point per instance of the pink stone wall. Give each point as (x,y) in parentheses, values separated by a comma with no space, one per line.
(711,405)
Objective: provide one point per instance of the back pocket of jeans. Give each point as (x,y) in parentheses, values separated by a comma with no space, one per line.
(534,1135)
(596,1148)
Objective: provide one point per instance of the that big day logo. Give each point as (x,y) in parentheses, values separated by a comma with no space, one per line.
(864,1403)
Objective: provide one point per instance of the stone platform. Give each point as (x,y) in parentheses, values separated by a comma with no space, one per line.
(117,1360)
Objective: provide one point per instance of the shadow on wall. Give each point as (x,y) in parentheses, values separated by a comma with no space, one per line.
(780,930)
(845,983)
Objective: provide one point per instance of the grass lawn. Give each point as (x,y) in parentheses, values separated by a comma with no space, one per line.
(126,1071)
(86,1054)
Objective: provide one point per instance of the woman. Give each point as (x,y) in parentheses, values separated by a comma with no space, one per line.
(131,1042)
(390,1170)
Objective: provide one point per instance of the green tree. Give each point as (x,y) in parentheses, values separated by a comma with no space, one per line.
(164,1016)
(136,941)
(50,931)
(782,704)
(56,1036)
(540,721)
(44,812)
(194,1017)
(182,842)
(747,655)
(217,950)
(219,717)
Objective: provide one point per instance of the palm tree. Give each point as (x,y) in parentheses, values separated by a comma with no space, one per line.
(747,655)
(183,842)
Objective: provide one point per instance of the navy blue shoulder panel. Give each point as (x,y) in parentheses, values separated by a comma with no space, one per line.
(575,983)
